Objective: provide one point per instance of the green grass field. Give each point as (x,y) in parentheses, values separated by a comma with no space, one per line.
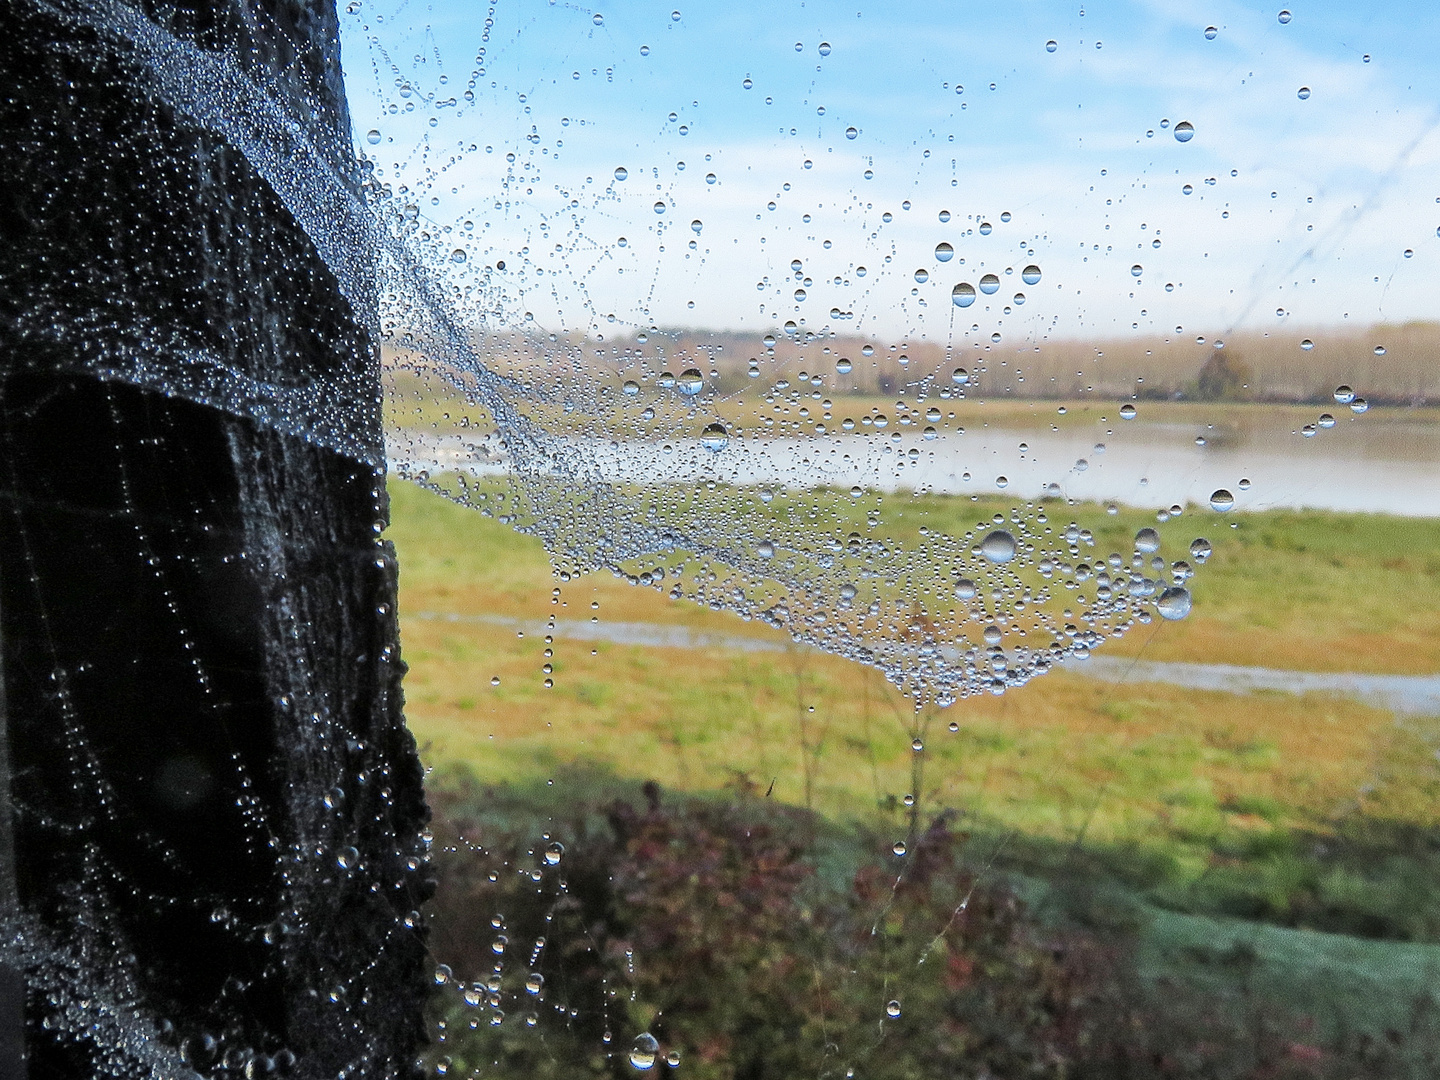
(1142,805)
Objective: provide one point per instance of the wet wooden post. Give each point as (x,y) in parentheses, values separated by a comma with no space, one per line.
(216,805)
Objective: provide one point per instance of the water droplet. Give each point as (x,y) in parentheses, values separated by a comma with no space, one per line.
(989,284)
(851,133)
(1173,603)
(1326,421)
(1307,344)
(922,275)
(1127,411)
(1136,270)
(1359,405)
(1200,549)
(598,19)
(824,48)
(963,294)
(960,376)
(458,255)
(1210,33)
(998,547)
(1018,299)
(696,226)
(443,974)
(765,549)
(373,136)
(659,207)
(674,16)
(843,366)
(1030,275)
(944,252)
(710,178)
(715,438)
(553,852)
(1051,45)
(673,1059)
(986,228)
(1303,93)
(965,589)
(944,216)
(747,84)
(348,858)
(690,382)
(630,388)
(1005,215)
(1344,395)
(621,173)
(644,1052)
(1184,131)
(1221,500)
(1147,540)
(1284,17)
(898,847)
(534,982)
(892,1009)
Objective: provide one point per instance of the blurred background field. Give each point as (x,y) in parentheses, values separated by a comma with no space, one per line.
(1236,844)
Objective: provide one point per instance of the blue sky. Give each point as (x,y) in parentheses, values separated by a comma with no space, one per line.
(1299,214)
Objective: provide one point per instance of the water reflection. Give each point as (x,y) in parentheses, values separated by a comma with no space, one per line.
(1381,463)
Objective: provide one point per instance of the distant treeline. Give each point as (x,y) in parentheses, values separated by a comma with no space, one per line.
(1393,364)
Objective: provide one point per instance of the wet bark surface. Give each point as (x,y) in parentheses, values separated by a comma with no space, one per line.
(216,807)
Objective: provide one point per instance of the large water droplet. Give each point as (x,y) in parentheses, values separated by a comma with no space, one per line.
(998,547)
(965,589)
(1303,93)
(1200,549)
(1030,275)
(765,549)
(989,284)
(373,137)
(690,382)
(630,388)
(843,365)
(1173,603)
(1284,17)
(892,1009)
(963,294)
(644,1052)
(553,852)
(851,133)
(534,982)
(715,438)
(824,48)
(621,173)
(696,226)
(1184,131)
(1127,411)
(1051,45)
(1147,540)
(1344,395)
(1210,33)
(944,252)
(1221,500)
(960,376)
(659,207)
(1136,270)
(922,275)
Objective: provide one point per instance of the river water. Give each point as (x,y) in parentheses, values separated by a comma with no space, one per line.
(1371,464)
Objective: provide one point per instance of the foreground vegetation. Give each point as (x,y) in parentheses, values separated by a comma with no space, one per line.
(1159,833)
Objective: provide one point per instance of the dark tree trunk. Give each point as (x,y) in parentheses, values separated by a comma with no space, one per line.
(213,849)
